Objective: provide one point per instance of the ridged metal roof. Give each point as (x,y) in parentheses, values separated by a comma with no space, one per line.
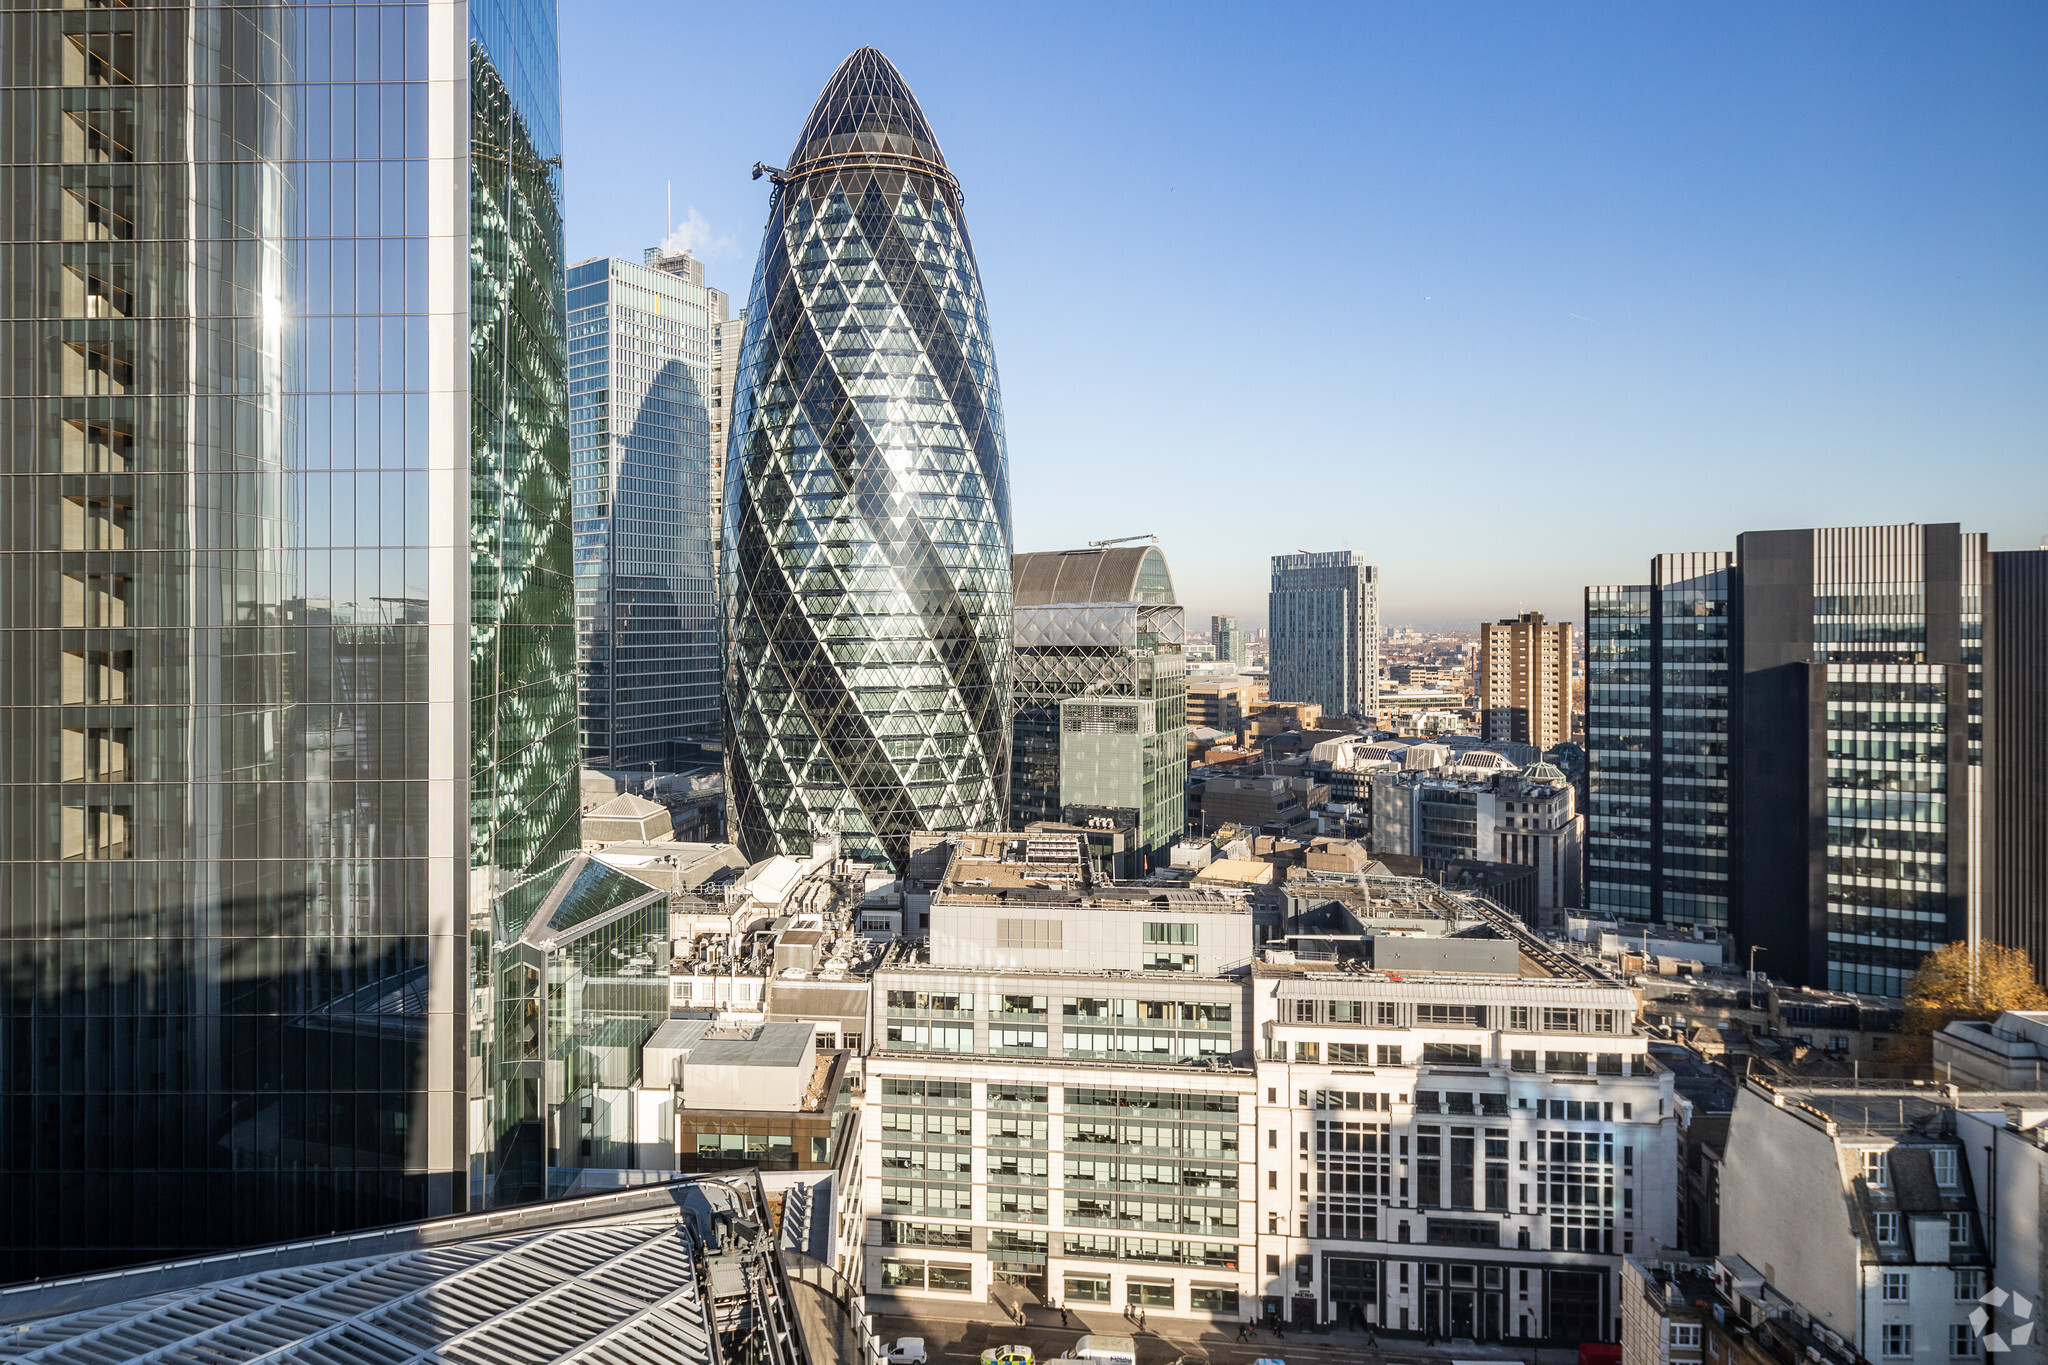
(1128,573)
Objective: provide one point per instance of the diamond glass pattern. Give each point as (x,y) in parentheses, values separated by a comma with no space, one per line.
(866,570)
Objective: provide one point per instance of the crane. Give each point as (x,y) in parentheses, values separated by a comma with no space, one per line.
(1105,544)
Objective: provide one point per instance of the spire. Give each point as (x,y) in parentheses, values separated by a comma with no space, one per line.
(867,113)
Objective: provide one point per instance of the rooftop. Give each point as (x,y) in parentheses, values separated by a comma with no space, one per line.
(609,1278)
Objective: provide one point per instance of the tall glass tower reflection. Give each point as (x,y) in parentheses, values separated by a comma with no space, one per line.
(866,566)
(286,589)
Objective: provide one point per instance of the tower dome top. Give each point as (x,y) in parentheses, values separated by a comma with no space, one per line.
(866,114)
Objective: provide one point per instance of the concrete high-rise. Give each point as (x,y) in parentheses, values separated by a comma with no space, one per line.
(1791,741)
(867,511)
(640,450)
(1229,639)
(1525,680)
(1324,618)
(1100,712)
(287,589)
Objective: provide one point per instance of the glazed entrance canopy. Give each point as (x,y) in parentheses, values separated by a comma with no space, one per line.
(867,114)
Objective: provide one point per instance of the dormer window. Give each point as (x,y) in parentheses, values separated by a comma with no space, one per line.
(1944,1165)
(1873,1167)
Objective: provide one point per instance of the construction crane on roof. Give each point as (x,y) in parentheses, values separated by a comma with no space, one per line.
(1105,544)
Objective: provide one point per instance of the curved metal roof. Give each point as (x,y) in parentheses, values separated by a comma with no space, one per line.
(1124,573)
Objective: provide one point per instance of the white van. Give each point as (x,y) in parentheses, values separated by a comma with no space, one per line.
(1106,1350)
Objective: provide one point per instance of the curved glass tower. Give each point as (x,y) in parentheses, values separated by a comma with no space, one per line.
(867,510)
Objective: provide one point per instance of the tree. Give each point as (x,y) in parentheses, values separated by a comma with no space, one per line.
(1950,986)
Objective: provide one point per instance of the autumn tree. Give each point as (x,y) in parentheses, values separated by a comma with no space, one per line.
(1953,984)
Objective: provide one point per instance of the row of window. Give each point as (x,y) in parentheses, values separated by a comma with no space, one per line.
(1967,1286)
(1512,1018)
(1173,1013)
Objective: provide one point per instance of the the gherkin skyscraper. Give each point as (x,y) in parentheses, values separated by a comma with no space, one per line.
(867,508)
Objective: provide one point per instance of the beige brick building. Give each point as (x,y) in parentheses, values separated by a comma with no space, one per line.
(1525,680)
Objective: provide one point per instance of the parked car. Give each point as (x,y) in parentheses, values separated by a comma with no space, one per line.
(908,1351)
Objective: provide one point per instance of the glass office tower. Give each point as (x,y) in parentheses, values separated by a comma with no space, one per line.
(639,369)
(1099,728)
(1788,742)
(866,568)
(285,584)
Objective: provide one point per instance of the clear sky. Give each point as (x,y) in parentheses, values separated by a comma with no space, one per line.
(1508,297)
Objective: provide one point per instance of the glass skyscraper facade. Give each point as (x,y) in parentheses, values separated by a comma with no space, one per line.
(1324,647)
(1100,720)
(1787,741)
(866,563)
(286,596)
(639,423)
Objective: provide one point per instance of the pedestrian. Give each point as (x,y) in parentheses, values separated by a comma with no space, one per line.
(1372,1339)
(1141,1319)
(1063,1315)
(1244,1331)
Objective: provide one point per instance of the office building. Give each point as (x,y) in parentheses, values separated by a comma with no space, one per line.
(1658,727)
(292,645)
(1228,641)
(1465,1140)
(1478,807)
(2016,742)
(1525,680)
(1100,707)
(867,549)
(1324,617)
(1060,1094)
(640,454)
(1223,703)
(727,333)
(1787,741)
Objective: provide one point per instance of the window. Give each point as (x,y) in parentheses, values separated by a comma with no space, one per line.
(1898,1339)
(1087,1289)
(1307,1052)
(1451,1054)
(1518,1018)
(1888,1229)
(1349,1054)
(1182,934)
(1959,1229)
(1944,1165)
(1169,962)
(1565,1063)
(1386,1014)
(1148,1294)
(1969,1284)
(1961,1340)
(1450,1016)
(1895,1282)
(1522,1059)
(1560,1021)
(1389,1056)
(1684,1334)
(957,1278)
(1213,1298)
(1305,1011)
(1873,1166)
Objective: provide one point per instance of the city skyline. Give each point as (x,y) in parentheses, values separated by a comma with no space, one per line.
(1750,269)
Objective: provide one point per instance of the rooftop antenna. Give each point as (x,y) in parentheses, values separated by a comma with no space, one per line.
(1105,544)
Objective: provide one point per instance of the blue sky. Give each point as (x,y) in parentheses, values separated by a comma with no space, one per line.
(1507,297)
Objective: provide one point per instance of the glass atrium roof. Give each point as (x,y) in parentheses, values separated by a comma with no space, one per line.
(619,1293)
(867,108)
